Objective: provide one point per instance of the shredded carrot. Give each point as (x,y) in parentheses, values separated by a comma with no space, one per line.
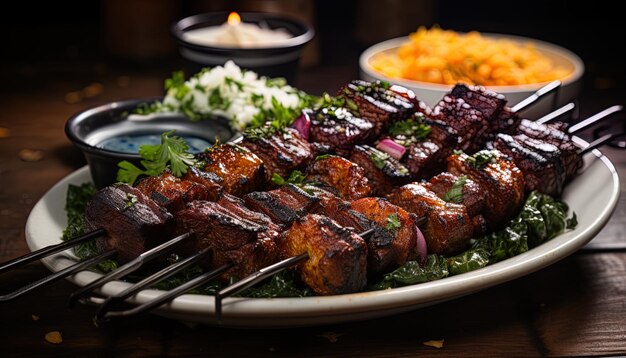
(447,57)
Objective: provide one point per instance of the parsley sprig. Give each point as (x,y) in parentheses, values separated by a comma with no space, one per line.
(482,158)
(393,222)
(410,130)
(455,194)
(172,151)
(296,177)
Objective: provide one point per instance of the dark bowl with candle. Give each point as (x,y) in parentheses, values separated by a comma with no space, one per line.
(275,59)
(108,134)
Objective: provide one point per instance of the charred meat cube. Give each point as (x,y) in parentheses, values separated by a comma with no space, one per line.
(424,159)
(337,260)
(470,124)
(467,192)
(337,128)
(382,171)
(555,134)
(241,170)
(283,205)
(229,230)
(489,103)
(499,178)
(282,152)
(346,177)
(172,193)
(538,160)
(461,190)
(209,180)
(429,143)
(448,228)
(377,103)
(388,252)
(249,258)
(506,122)
(134,223)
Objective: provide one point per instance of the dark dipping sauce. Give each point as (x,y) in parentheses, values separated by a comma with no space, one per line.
(130,143)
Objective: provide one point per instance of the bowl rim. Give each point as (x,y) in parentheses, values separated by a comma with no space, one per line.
(111,106)
(575,75)
(179,27)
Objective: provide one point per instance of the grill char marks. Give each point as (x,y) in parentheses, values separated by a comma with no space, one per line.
(348,178)
(501,181)
(239,169)
(379,104)
(448,227)
(283,205)
(232,233)
(134,223)
(469,123)
(392,246)
(382,171)
(428,157)
(472,197)
(554,134)
(282,152)
(489,103)
(337,128)
(337,261)
(539,161)
(172,193)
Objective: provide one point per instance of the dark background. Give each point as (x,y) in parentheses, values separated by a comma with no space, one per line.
(73,40)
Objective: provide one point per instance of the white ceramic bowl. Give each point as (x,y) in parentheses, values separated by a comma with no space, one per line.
(431,93)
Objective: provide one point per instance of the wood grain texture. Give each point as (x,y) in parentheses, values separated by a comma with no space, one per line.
(572,308)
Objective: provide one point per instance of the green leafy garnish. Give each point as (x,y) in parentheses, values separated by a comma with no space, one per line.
(393,222)
(455,194)
(410,130)
(411,273)
(281,285)
(482,158)
(172,151)
(323,156)
(130,200)
(270,121)
(379,159)
(541,219)
(296,177)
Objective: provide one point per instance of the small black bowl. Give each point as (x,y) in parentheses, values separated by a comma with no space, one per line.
(90,127)
(277,61)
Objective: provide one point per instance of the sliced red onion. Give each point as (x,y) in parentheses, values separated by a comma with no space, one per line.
(392,148)
(422,249)
(302,124)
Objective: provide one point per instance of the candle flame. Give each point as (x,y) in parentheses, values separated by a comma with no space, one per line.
(234,19)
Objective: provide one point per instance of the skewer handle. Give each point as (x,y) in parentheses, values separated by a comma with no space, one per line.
(549,88)
(147,282)
(557,114)
(58,275)
(127,268)
(595,118)
(49,250)
(184,288)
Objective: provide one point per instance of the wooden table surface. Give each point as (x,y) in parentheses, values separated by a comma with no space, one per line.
(575,307)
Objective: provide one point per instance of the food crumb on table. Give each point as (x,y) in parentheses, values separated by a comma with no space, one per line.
(34,317)
(30,155)
(434,343)
(331,336)
(54,337)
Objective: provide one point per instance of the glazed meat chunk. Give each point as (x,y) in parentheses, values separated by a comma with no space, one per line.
(337,260)
(346,177)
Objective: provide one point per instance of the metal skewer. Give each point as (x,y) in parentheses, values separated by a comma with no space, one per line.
(49,250)
(147,282)
(547,89)
(127,268)
(168,296)
(58,275)
(556,114)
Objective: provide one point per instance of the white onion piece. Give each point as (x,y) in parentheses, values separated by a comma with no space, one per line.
(392,148)
(302,124)
(422,249)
